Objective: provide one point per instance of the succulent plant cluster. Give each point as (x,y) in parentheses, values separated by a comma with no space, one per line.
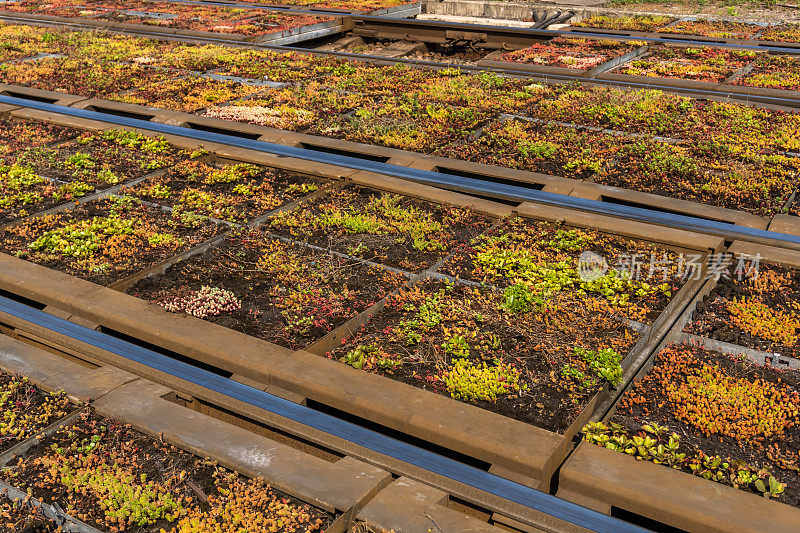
(205,302)
(468,382)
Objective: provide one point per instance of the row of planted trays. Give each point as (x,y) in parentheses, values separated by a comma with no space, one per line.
(173,15)
(505,316)
(618,59)
(732,67)
(722,154)
(692,26)
(114,478)
(256,24)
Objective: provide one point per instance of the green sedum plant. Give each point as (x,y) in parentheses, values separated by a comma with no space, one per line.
(82,239)
(365,354)
(469,382)
(604,362)
(655,444)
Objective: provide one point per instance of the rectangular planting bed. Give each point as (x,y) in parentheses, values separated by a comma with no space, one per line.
(753,308)
(773,72)
(398,123)
(106,240)
(624,23)
(23,192)
(782,33)
(716,29)
(18,135)
(115,478)
(224,190)
(708,65)
(282,292)
(670,116)
(292,108)
(703,440)
(104,158)
(564,55)
(396,231)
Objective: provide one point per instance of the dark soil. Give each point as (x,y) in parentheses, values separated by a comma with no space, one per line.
(291,308)
(452,54)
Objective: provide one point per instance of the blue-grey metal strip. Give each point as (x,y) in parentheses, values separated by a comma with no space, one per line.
(459,183)
(358,435)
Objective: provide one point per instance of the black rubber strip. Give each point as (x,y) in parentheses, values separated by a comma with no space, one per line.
(443,466)
(458,183)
